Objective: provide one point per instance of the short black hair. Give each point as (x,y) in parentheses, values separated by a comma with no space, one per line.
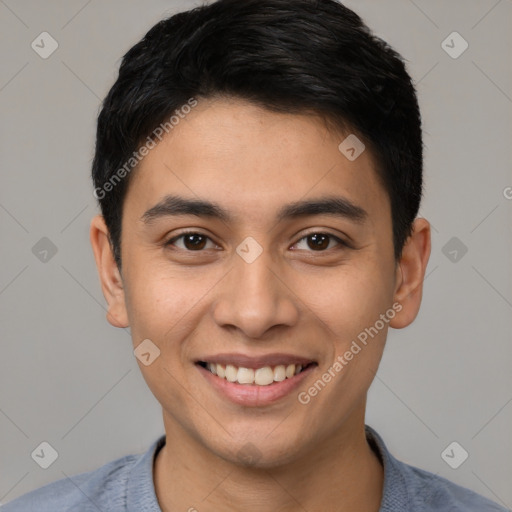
(300,56)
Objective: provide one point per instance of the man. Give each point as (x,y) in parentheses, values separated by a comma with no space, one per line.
(259,170)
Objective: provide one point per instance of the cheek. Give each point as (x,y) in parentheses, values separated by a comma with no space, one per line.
(350,304)
(157,304)
(170,308)
(349,298)
(162,309)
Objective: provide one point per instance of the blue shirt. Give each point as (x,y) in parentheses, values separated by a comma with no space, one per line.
(126,485)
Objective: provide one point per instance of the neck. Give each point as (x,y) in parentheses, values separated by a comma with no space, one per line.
(342,474)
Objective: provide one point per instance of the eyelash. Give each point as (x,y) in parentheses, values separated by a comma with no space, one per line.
(342,243)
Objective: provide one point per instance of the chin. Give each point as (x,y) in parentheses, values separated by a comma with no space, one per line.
(259,452)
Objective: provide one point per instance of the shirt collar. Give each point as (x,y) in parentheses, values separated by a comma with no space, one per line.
(395,496)
(141,494)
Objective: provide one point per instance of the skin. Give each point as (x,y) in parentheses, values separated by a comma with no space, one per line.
(293,298)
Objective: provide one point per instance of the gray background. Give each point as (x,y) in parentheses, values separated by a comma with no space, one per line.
(67,377)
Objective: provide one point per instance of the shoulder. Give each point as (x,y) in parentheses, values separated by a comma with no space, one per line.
(411,489)
(101,489)
(430,492)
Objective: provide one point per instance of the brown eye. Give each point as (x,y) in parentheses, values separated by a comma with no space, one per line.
(319,242)
(191,241)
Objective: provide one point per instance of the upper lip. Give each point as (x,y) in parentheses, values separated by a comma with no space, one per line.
(246,361)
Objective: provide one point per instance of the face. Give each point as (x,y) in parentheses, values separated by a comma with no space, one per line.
(286,257)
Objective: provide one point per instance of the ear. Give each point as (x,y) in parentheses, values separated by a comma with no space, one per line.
(411,273)
(110,277)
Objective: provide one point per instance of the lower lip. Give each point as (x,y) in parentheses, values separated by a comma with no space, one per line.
(252,394)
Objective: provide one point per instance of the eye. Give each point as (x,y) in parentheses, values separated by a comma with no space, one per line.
(192,241)
(320,242)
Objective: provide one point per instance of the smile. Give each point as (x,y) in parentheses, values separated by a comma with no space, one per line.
(255,381)
(263,376)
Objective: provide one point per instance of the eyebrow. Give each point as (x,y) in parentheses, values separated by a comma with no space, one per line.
(337,206)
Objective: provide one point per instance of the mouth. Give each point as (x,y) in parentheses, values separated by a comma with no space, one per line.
(255,380)
(267,375)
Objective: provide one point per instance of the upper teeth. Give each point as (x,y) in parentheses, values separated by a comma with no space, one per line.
(261,376)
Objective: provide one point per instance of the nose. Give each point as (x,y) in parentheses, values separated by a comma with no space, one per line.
(254,297)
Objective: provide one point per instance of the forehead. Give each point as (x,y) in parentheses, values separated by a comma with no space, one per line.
(253,161)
